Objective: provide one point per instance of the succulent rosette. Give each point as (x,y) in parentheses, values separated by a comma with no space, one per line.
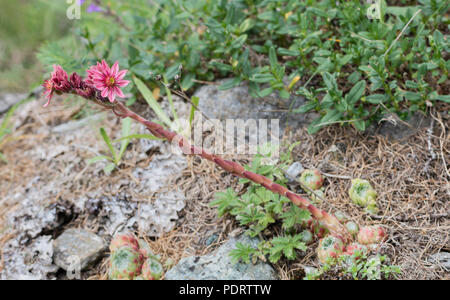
(151,269)
(126,263)
(124,239)
(312,179)
(371,235)
(307,237)
(340,216)
(354,248)
(352,227)
(329,249)
(317,228)
(364,195)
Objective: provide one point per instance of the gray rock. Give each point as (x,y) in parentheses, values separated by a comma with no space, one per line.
(236,103)
(294,170)
(8,100)
(396,130)
(77,124)
(442,259)
(77,246)
(219,266)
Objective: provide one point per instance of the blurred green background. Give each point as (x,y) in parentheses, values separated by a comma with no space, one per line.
(24,26)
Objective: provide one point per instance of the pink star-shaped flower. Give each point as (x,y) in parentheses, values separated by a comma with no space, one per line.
(107,80)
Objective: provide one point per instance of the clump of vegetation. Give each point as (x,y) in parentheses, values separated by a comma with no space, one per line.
(132,259)
(357,265)
(352,69)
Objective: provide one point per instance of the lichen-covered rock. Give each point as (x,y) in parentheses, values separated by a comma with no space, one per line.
(33,218)
(158,217)
(31,262)
(77,245)
(219,266)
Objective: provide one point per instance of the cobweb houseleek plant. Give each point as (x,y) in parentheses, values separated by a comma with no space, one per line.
(103,87)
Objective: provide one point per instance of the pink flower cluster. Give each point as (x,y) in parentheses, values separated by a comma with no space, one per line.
(102,81)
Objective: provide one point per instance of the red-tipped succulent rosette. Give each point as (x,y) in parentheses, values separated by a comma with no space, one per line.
(371,235)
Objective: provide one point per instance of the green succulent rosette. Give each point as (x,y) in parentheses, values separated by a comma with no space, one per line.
(364,195)
(125,263)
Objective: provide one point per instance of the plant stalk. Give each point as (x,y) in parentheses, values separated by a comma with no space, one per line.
(329,221)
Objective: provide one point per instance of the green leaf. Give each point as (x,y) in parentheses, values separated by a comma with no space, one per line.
(376,98)
(98,158)
(230,83)
(356,92)
(444,98)
(126,129)
(360,125)
(137,136)
(329,81)
(284,94)
(273,58)
(287,246)
(239,42)
(412,96)
(310,105)
(195,100)
(148,96)
(242,252)
(262,78)
(265,92)
(108,143)
(109,168)
(225,201)
(293,216)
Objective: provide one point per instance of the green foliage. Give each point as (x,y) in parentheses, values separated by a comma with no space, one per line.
(286,246)
(24,26)
(257,209)
(359,265)
(353,69)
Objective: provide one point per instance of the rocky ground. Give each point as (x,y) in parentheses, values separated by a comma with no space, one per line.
(50,196)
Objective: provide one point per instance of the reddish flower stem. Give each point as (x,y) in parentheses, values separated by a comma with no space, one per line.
(329,221)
